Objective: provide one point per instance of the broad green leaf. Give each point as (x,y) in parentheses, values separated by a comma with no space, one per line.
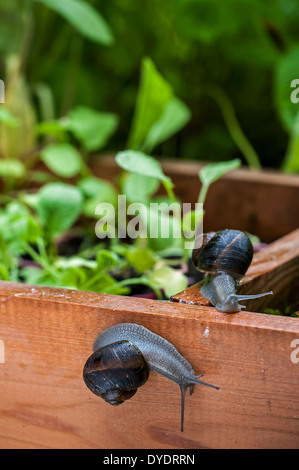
(73,277)
(153,95)
(6,117)
(139,188)
(59,206)
(11,168)
(90,127)
(54,128)
(63,159)
(287,71)
(96,191)
(18,225)
(139,162)
(141,259)
(34,275)
(106,260)
(84,17)
(213,171)
(170,280)
(175,116)
(93,187)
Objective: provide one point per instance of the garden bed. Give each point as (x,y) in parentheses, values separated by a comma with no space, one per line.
(48,334)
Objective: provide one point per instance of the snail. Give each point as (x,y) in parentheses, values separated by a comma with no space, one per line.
(224,257)
(123,356)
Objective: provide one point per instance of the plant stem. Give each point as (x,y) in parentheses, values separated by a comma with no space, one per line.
(93,279)
(202,194)
(233,126)
(40,260)
(168,186)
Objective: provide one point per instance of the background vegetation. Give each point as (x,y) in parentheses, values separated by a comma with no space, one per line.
(248,49)
(191,79)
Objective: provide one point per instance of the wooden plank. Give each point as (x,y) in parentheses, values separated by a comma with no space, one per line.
(48,335)
(265,203)
(275,267)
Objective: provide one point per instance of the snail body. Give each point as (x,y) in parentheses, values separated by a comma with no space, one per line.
(107,378)
(224,258)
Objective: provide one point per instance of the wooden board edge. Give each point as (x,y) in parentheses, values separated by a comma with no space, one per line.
(27,293)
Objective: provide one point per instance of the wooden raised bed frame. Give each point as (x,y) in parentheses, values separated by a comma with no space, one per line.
(48,335)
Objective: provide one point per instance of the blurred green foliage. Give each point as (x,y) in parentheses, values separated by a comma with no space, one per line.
(246,48)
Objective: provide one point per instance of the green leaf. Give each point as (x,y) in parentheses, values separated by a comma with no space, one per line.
(96,191)
(139,162)
(213,171)
(58,206)
(18,225)
(141,259)
(63,159)
(54,128)
(90,127)
(34,275)
(11,168)
(106,260)
(153,95)
(93,187)
(138,188)
(72,277)
(170,280)
(83,17)
(175,116)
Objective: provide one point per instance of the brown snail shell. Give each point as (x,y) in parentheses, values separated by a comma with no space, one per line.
(227,251)
(198,248)
(116,371)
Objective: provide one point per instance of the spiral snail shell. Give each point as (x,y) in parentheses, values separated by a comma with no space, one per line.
(123,356)
(224,257)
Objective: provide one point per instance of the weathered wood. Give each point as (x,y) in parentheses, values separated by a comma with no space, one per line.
(265,203)
(275,267)
(48,335)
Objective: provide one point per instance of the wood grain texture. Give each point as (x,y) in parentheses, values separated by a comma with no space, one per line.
(275,267)
(265,203)
(48,335)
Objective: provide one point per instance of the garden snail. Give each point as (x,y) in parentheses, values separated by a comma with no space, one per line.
(225,257)
(123,356)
